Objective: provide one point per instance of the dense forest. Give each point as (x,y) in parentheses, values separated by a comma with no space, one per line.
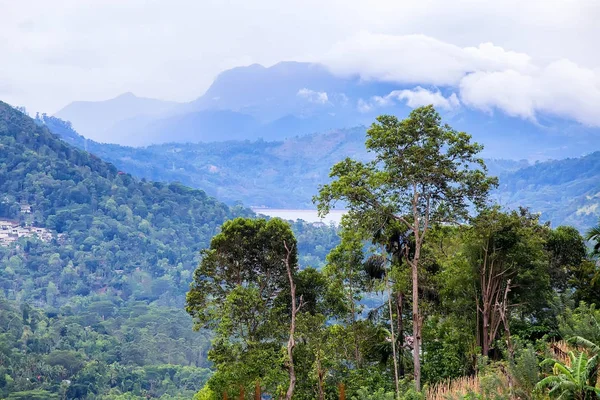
(107,289)
(468,300)
(284,174)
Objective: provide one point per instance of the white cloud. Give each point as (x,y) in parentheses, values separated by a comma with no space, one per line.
(421,97)
(413,98)
(561,88)
(363,106)
(417,59)
(486,77)
(506,90)
(64,50)
(313,96)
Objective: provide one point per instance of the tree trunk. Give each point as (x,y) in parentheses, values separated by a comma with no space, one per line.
(393,338)
(353,310)
(257,394)
(400,322)
(485,350)
(291,342)
(416,325)
(417,320)
(320,376)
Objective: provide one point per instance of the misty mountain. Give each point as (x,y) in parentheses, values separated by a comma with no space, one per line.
(96,119)
(292,98)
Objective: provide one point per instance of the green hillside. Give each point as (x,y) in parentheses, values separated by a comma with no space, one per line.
(134,238)
(566,191)
(92,305)
(286,174)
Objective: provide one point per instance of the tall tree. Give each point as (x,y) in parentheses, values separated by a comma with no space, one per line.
(240,290)
(508,255)
(424,173)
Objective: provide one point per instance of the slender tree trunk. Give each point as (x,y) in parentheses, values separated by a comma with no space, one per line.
(320,376)
(416,326)
(485,350)
(417,320)
(503,310)
(291,342)
(400,322)
(257,394)
(387,283)
(353,310)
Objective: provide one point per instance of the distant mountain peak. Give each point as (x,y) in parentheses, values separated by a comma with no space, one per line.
(126,95)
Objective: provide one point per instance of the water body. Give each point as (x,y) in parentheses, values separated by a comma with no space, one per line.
(334,216)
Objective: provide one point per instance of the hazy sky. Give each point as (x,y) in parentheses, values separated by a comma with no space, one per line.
(520,56)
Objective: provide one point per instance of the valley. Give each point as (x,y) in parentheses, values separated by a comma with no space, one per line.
(299,201)
(285,174)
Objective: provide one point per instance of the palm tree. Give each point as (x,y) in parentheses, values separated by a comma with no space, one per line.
(594,234)
(575,381)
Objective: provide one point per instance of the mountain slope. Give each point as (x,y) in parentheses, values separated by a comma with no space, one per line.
(96,119)
(94,308)
(111,220)
(149,232)
(293,98)
(286,174)
(564,191)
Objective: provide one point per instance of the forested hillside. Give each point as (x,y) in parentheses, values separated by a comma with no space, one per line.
(565,191)
(286,174)
(133,238)
(98,307)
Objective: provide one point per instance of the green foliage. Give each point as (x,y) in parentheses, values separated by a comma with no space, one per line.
(583,321)
(380,394)
(594,235)
(240,291)
(205,394)
(525,371)
(33,395)
(143,350)
(133,238)
(574,381)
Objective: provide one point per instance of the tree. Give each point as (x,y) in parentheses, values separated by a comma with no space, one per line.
(296,306)
(242,289)
(507,253)
(567,252)
(423,173)
(348,279)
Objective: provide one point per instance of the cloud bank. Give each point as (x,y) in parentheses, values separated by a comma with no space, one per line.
(523,58)
(486,77)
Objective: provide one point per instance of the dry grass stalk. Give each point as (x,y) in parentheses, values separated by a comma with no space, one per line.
(560,351)
(460,387)
(452,388)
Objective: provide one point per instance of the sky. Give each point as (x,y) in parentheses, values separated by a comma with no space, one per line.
(519,56)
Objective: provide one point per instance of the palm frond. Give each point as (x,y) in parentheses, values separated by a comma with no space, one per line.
(583,342)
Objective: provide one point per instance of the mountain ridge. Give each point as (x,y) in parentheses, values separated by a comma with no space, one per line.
(287,173)
(295,98)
